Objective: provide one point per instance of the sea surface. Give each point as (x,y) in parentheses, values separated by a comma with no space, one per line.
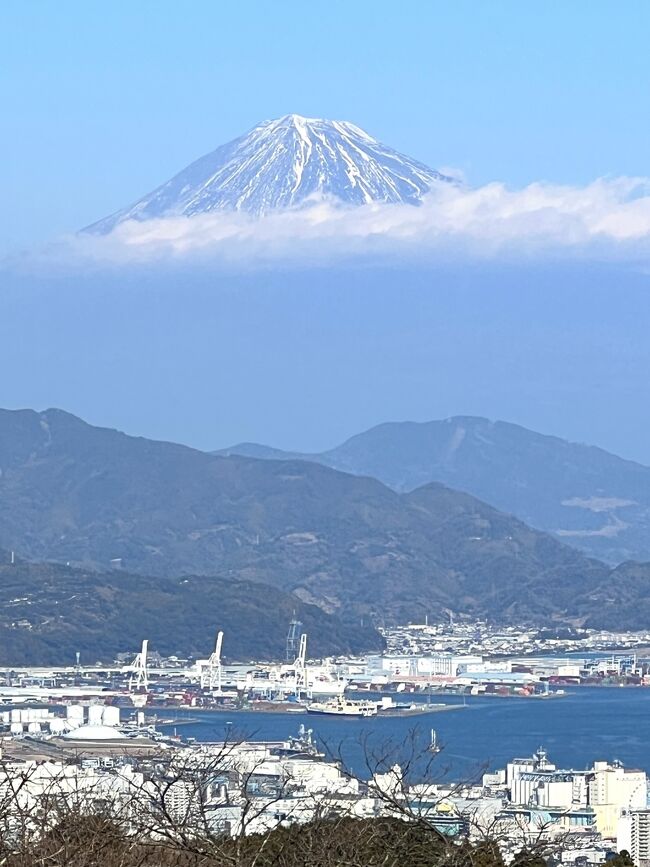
(586,724)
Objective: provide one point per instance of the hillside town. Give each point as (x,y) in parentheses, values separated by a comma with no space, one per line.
(499,640)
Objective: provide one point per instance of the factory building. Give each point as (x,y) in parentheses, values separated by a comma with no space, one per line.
(606,791)
(439,665)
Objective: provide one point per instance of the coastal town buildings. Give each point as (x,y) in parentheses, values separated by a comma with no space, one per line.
(245,787)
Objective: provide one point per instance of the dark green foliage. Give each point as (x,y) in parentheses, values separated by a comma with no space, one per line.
(373,843)
(49,611)
(622,859)
(93,842)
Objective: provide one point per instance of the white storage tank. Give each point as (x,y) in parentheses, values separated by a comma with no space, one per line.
(34,727)
(95,712)
(15,715)
(16,728)
(111,715)
(58,726)
(75,715)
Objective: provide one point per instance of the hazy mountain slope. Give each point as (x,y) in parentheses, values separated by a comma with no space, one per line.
(72,492)
(628,593)
(283,163)
(257,450)
(50,611)
(590,498)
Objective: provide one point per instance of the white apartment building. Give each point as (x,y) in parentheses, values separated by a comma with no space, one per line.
(634,835)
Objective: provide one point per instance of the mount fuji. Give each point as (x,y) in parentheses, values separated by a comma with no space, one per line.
(283,164)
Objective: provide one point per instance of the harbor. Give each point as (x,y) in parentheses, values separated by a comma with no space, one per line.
(457,719)
(611,723)
(438,669)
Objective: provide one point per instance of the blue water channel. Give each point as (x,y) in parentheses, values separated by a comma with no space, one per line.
(587,724)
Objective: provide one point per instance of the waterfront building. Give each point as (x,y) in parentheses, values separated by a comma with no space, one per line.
(596,796)
(612,790)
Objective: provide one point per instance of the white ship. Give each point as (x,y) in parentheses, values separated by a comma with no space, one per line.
(343,707)
(285,683)
(321,681)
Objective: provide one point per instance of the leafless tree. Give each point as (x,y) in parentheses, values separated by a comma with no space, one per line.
(169,811)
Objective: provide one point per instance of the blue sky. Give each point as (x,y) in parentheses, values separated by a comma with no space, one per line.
(102,101)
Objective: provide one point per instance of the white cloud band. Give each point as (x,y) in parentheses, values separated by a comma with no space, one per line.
(607,218)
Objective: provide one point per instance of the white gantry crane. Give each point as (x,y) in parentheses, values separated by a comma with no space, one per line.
(300,667)
(139,679)
(211,673)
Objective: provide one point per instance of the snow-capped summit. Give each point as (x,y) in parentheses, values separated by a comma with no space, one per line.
(281,163)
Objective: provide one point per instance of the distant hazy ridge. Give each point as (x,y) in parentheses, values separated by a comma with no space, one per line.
(588,497)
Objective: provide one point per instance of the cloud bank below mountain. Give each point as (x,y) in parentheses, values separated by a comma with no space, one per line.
(609,218)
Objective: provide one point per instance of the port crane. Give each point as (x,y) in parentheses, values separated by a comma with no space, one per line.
(300,667)
(211,673)
(139,678)
(293,640)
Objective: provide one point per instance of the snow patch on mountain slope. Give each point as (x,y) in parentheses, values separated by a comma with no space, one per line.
(284,163)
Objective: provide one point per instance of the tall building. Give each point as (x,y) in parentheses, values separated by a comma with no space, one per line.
(613,789)
(634,835)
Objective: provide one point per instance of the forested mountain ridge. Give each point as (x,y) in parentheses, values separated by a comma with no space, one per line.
(49,611)
(91,496)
